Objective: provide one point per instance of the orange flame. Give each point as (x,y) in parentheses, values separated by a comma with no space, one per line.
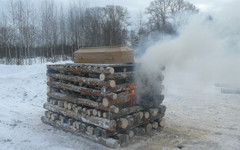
(132,95)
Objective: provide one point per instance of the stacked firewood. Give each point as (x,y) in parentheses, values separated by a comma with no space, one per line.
(99,102)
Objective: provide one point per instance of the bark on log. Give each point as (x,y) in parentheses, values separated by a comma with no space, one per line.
(82,101)
(82,90)
(101,122)
(118,77)
(81,69)
(110,142)
(139,131)
(122,137)
(126,111)
(84,80)
(118,88)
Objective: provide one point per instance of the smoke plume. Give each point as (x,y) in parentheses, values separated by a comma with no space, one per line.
(206,51)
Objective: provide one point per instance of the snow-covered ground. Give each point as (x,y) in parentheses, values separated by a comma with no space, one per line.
(196,117)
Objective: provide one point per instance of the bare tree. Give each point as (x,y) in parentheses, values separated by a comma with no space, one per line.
(161,12)
(115,23)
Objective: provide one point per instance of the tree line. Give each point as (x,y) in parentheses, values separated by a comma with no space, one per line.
(53,32)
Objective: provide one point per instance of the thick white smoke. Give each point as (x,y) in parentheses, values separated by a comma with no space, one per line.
(206,52)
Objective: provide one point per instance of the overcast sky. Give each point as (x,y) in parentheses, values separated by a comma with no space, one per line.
(136,6)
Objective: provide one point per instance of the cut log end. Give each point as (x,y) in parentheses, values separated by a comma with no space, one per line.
(123,123)
(102,77)
(146,115)
(155,125)
(131,134)
(105,102)
(112,83)
(162,122)
(148,127)
(114,96)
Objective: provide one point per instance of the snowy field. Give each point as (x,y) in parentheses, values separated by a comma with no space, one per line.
(196,119)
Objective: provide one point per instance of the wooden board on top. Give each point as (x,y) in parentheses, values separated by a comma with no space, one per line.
(104,55)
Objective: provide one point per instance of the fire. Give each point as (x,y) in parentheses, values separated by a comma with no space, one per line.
(132,95)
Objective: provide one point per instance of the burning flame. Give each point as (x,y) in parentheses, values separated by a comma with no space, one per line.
(132,95)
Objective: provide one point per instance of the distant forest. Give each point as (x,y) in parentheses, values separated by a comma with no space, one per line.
(53,32)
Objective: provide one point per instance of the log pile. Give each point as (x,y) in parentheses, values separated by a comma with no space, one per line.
(98,102)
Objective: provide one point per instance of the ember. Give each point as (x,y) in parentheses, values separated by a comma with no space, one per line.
(132,96)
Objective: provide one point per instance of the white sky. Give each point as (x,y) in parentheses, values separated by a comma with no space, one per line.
(136,6)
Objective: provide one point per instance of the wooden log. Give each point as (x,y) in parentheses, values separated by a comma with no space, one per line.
(99,114)
(81,69)
(162,122)
(63,119)
(48,114)
(122,123)
(122,137)
(110,142)
(97,131)
(69,106)
(148,127)
(61,104)
(130,133)
(101,122)
(70,121)
(107,133)
(141,122)
(82,90)
(126,111)
(95,112)
(162,109)
(84,80)
(54,116)
(78,109)
(82,127)
(118,88)
(138,116)
(82,101)
(155,125)
(123,98)
(105,115)
(130,120)
(154,111)
(126,76)
(89,112)
(74,107)
(54,102)
(139,131)
(84,110)
(146,115)
(65,104)
(90,130)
